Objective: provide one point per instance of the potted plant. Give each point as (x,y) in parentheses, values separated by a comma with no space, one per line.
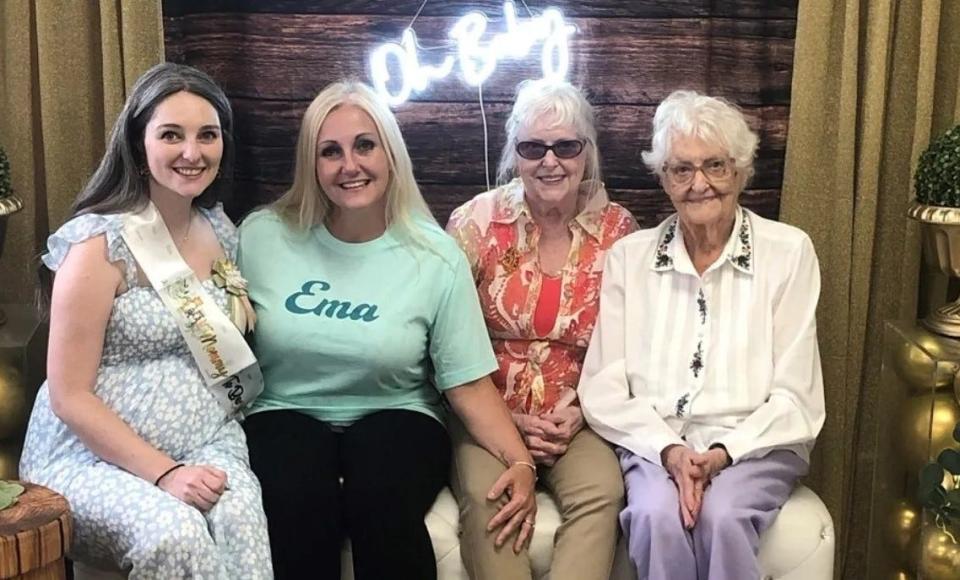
(937,207)
(9,204)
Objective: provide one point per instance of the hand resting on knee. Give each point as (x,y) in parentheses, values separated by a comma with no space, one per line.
(199,486)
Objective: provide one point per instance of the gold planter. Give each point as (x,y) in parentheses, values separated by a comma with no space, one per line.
(941,242)
(9,205)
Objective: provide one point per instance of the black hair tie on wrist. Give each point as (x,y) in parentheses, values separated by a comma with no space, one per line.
(166,473)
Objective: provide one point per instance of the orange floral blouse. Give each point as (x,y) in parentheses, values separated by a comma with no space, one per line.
(537,374)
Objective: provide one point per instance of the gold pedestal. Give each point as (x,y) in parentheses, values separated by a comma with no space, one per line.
(916,411)
(23,353)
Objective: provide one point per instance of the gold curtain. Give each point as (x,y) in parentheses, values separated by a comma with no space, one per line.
(873,81)
(65,69)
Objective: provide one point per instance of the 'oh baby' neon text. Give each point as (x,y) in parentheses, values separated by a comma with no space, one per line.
(476,60)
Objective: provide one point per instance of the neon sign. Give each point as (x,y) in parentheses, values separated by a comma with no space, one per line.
(477,60)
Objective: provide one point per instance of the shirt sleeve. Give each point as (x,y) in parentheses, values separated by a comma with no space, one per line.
(247,243)
(459,344)
(254,249)
(605,394)
(794,412)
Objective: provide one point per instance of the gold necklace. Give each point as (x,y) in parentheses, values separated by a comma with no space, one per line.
(186,233)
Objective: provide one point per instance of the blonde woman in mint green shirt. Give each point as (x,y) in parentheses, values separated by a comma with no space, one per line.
(367,321)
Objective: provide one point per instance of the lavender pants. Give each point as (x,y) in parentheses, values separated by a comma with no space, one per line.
(740,503)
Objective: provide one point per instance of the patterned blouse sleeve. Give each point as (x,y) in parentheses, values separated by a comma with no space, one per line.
(630,224)
(626,224)
(81,229)
(463,227)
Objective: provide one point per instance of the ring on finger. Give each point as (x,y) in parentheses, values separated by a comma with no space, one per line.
(530,523)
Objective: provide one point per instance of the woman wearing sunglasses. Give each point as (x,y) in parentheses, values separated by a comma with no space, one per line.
(704,368)
(536,247)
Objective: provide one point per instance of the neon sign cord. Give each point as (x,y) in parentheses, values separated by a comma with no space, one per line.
(417,15)
(486,145)
(417,41)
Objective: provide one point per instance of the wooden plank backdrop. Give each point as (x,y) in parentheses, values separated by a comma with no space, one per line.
(273,57)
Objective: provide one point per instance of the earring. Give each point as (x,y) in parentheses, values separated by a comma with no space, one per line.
(144,170)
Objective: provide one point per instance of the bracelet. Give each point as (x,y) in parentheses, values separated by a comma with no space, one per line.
(166,473)
(527,464)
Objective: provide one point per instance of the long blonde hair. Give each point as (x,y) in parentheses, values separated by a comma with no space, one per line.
(305,204)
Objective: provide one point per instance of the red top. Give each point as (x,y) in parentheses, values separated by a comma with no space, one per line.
(548,305)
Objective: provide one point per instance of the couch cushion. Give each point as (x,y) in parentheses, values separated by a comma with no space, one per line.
(798,546)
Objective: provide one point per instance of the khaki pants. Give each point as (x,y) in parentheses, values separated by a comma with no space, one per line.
(586,484)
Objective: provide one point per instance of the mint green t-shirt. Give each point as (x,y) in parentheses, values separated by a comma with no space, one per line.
(348,329)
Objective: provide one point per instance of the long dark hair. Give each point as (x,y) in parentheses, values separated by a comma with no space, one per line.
(118,185)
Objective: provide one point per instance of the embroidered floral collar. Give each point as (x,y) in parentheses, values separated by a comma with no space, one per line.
(739,248)
(511,204)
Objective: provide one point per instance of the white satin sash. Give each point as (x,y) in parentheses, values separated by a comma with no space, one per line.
(230,370)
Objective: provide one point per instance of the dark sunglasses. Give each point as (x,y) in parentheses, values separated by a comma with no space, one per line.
(532,150)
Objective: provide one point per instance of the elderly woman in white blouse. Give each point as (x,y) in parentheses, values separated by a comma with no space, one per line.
(703,368)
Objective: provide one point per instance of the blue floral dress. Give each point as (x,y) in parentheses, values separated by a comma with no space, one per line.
(148,377)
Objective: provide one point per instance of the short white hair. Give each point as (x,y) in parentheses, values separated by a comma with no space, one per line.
(566,105)
(711,119)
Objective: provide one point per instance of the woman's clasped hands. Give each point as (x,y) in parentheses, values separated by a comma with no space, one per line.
(692,472)
(547,436)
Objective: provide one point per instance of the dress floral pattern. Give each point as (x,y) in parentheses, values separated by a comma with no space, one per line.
(496,230)
(148,377)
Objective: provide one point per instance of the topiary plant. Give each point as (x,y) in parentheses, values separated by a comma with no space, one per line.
(6,190)
(9,203)
(937,179)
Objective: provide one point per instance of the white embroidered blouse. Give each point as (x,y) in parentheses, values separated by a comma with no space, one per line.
(729,357)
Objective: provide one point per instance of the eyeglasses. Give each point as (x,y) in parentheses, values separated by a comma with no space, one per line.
(716,169)
(566,149)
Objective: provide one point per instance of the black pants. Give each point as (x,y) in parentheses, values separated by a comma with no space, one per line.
(393,465)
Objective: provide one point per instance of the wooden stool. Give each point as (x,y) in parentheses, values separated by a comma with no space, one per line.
(35,533)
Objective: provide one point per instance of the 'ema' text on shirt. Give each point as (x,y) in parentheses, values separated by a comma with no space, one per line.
(305,302)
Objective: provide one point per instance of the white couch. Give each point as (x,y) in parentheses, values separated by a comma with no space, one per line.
(799,545)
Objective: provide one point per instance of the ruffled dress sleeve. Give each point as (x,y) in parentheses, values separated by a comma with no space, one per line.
(81,229)
(224,228)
